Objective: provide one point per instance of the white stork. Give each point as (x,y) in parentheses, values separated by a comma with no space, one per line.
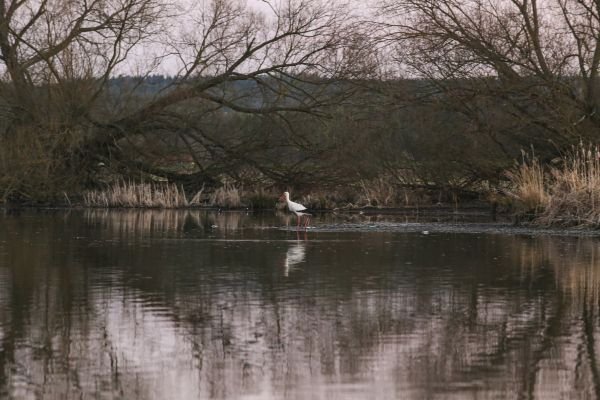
(297,209)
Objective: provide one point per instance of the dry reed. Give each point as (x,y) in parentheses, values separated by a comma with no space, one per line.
(568,195)
(529,184)
(226,196)
(131,194)
(575,189)
(379,192)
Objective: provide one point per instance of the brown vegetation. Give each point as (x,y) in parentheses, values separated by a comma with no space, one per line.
(567,194)
(146,195)
(300,96)
(129,194)
(528,185)
(232,61)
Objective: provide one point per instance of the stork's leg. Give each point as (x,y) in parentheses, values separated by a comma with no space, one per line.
(306,221)
(298,215)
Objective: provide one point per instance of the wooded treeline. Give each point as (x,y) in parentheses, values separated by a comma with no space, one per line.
(435,95)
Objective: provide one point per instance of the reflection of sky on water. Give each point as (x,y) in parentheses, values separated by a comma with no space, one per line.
(152,305)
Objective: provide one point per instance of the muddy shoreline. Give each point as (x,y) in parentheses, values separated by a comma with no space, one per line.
(428,228)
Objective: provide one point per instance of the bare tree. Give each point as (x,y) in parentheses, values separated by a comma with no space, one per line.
(51,42)
(287,58)
(525,69)
(286,55)
(56,58)
(292,59)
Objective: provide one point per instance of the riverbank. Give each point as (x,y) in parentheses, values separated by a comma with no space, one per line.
(429,228)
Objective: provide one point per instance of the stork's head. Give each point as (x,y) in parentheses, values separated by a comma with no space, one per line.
(285,196)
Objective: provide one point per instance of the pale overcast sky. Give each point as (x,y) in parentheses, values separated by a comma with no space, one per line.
(144,56)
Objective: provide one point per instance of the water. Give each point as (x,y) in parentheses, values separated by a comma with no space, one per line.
(190,305)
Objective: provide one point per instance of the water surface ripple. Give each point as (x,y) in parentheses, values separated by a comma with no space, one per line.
(192,304)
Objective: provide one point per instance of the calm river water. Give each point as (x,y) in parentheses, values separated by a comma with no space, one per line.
(194,305)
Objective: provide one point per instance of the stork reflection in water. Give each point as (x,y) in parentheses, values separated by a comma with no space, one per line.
(295,255)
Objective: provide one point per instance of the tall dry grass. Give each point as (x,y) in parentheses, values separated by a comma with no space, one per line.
(528,184)
(132,194)
(227,196)
(566,195)
(575,189)
(379,192)
(168,195)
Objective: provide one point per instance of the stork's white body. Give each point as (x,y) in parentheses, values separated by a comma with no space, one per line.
(297,209)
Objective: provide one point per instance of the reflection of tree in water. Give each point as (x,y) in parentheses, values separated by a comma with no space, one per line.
(576,270)
(539,333)
(217,320)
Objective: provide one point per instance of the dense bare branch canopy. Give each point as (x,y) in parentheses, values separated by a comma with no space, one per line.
(59,61)
(224,41)
(231,59)
(540,57)
(49,41)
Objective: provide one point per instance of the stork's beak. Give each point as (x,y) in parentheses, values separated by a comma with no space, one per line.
(281,198)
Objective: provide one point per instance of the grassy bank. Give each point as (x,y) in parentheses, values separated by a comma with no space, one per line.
(562,193)
(379,193)
(565,193)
